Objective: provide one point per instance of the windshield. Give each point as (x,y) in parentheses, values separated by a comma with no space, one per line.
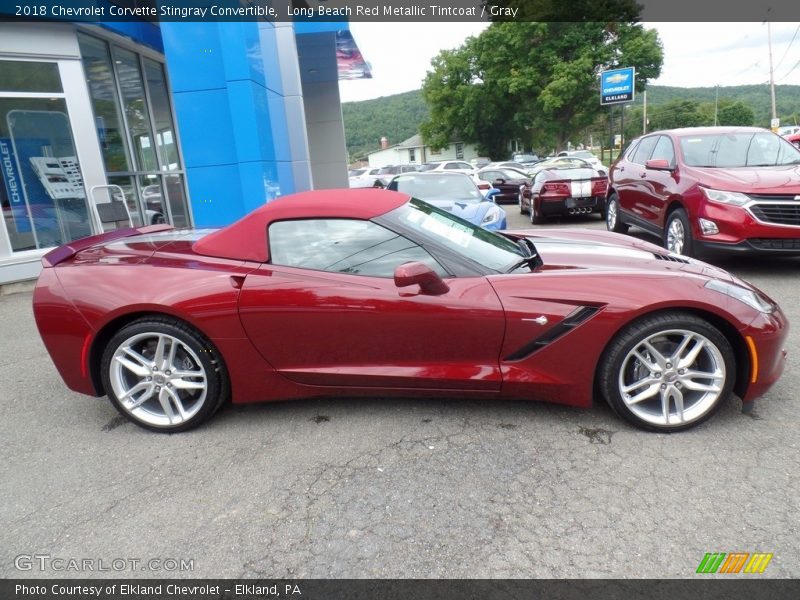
(486,248)
(743,149)
(513,174)
(357,172)
(524,157)
(428,166)
(437,187)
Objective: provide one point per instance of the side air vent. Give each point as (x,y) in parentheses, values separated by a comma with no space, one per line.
(671,258)
(570,322)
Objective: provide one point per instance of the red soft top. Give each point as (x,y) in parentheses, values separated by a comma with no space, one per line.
(246,239)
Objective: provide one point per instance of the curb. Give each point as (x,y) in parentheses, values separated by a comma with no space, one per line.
(18,287)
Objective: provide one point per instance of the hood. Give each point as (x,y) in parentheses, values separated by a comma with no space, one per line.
(761,180)
(469,210)
(601,250)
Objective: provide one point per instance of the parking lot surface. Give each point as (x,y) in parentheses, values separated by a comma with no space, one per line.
(395,488)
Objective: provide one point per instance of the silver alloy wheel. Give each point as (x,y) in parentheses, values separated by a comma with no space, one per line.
(672,377)
(521,211)
(611,215)
(676,236)
(158,379)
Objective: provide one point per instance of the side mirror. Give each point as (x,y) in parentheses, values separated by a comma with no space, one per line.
(489,196)
(417,273)
(658,164)
(499,181)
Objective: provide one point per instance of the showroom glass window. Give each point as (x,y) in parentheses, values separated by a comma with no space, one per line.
(42,193)
(344,246)
(136,130)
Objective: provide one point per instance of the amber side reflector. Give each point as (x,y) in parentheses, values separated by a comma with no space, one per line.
(754,358)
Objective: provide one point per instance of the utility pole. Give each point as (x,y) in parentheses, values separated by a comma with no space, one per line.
(771,74)
(644,114)
(716,102)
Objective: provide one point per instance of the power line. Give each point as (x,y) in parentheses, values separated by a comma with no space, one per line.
(780,62)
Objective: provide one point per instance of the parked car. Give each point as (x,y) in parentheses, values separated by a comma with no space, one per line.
(456,193)
(710,190)
(511,165)
(387,173)
(526,159)
(794,139)
(448,165)
(364,177)
(588,157)
(370,292)
(512,184)
(565,186)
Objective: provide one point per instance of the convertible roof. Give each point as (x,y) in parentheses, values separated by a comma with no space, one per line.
(246,239)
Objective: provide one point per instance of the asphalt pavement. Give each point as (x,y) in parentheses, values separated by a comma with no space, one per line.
(391,488)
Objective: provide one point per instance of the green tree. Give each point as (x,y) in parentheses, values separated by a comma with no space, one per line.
(735,113)
(537,82)
(677,113)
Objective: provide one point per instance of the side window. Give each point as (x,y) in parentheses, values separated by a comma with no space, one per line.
(644,150)
(344,246)
(451,166)
(631,150)
(465,166)
(665,150)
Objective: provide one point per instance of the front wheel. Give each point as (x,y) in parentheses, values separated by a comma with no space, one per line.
(521,207)
(613,222)
(667,372)
(163,375)
(678,233)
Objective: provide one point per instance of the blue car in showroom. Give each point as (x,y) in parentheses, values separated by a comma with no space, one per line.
(456,193)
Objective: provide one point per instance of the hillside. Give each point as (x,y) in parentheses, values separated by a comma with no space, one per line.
(398,117)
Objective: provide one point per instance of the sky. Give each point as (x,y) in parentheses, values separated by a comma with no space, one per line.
(695,54)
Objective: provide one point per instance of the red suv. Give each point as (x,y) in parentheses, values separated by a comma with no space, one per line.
(710,190)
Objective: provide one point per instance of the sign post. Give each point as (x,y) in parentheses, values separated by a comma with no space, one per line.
(618,86)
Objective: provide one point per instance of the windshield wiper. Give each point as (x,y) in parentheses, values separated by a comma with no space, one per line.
(532,262)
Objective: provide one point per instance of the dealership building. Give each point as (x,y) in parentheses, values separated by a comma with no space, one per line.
(105,125)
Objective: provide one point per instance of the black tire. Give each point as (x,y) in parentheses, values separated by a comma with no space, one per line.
(664,331)
(536,218)
(678,233)
(612,215)
(194,355)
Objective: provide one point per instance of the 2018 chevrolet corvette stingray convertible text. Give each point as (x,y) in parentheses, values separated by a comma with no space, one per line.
(374,293)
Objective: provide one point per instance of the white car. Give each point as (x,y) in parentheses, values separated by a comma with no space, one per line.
(363,177)
(588,157)
(457,166)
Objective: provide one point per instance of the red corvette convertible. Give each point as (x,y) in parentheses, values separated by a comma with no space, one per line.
(371,292)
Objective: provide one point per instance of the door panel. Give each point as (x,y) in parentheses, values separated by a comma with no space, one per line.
(334,329)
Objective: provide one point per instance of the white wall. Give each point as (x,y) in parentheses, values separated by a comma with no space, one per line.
(399,156)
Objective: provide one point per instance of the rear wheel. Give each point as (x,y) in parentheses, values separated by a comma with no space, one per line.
(163,375)
(613,222)
(678,233)
(667,372)
(536,218)
(521,207)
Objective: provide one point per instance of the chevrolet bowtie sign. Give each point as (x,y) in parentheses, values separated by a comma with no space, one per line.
(617,86)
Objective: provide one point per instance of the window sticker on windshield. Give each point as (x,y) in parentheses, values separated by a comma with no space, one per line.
(455,232)
(414,217)
(694,140)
